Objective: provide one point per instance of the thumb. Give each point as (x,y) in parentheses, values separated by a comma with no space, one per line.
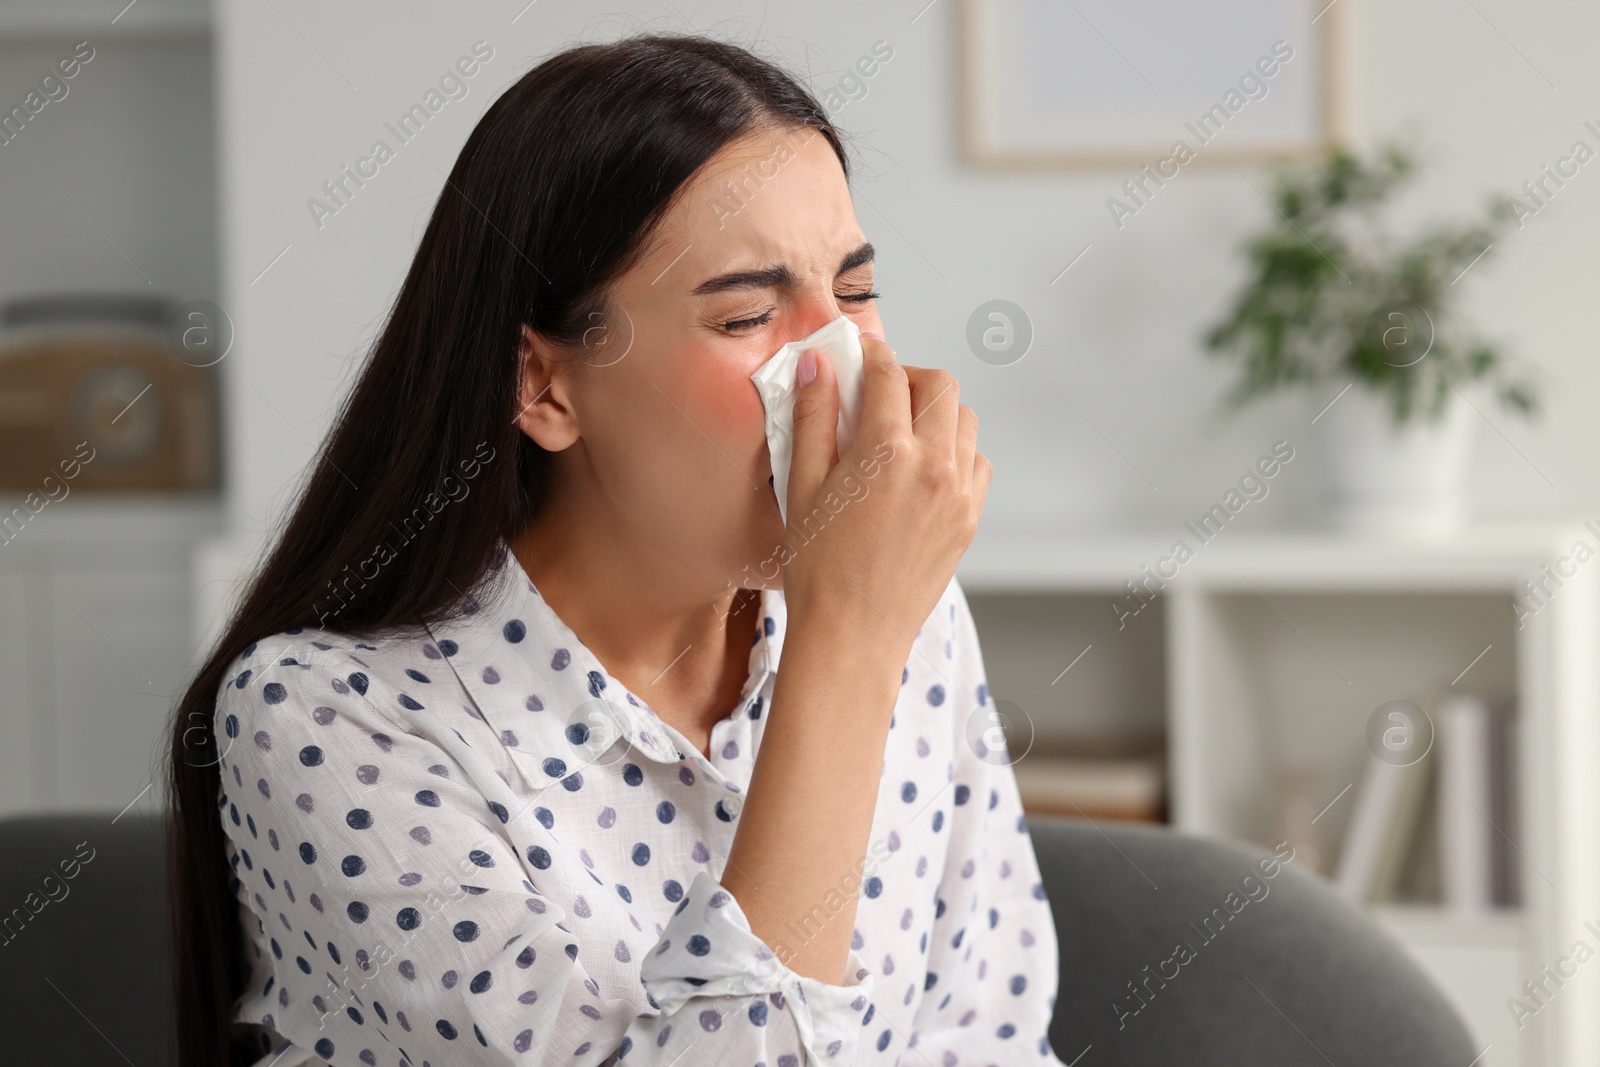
(815,444)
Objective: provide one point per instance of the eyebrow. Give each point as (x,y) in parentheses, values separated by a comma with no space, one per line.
(776,277)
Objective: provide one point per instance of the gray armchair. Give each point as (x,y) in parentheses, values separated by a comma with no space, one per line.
(85,967)
(1284,971)
(1296,976)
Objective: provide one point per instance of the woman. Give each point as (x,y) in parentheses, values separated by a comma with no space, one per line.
(496,749)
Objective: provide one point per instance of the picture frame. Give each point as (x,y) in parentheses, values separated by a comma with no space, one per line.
(1085,84)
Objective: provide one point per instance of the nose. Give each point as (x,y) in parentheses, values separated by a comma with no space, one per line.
(815,312)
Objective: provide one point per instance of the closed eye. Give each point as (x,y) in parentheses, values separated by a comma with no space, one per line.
(744,324)
(765,317)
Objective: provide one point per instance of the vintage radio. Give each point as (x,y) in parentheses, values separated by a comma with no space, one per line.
(112,386)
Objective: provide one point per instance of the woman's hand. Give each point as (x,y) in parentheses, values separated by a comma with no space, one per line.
(881,563)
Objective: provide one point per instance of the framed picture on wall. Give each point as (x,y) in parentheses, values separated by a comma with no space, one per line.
(1109,83)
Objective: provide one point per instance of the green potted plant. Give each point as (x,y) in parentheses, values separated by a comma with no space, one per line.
(1367,324)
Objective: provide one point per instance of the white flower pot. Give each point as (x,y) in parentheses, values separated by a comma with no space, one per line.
(1383,481)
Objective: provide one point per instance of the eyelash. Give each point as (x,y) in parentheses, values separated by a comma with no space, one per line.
(766,316)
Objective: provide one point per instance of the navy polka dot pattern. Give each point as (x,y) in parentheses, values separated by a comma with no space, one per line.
(469,844)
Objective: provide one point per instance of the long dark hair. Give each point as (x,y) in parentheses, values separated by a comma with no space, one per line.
(551,199)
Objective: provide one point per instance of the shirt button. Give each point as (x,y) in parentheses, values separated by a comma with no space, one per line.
(732,804)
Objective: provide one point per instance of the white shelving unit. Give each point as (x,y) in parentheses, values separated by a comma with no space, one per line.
(1277,648)
(95,643)
(97,594)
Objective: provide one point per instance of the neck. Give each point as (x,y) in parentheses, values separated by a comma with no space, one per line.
(679,644)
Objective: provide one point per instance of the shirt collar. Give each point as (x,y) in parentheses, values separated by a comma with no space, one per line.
(548,697)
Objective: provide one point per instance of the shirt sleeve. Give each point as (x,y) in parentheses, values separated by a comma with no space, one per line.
(992,956)
(415,918)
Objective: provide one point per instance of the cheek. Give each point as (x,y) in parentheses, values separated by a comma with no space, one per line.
(731,404)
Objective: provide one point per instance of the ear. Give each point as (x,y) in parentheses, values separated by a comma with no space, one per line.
(544,409)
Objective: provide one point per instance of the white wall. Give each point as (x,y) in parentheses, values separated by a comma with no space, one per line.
(111,187)
(1118,333)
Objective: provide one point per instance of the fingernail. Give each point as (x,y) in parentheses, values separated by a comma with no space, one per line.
(808,367)
(874,336)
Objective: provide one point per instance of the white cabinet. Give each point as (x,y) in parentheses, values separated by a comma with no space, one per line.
(1277,648)
(96,640)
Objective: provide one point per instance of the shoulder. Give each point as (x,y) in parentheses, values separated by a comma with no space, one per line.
(389,650)
(310,668)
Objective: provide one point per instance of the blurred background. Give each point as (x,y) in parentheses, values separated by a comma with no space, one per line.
(1290,523)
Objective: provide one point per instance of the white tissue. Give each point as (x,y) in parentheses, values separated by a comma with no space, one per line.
(840,340)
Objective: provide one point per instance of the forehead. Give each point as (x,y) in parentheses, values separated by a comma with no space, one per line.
(772,196)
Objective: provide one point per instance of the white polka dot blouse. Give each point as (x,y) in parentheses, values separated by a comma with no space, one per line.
(470,845)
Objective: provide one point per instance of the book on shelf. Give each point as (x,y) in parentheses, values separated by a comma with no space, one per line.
(1383,827)
(1479,862)
(1507,858)
(1120,787)
(1439,828)
(1466,857)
